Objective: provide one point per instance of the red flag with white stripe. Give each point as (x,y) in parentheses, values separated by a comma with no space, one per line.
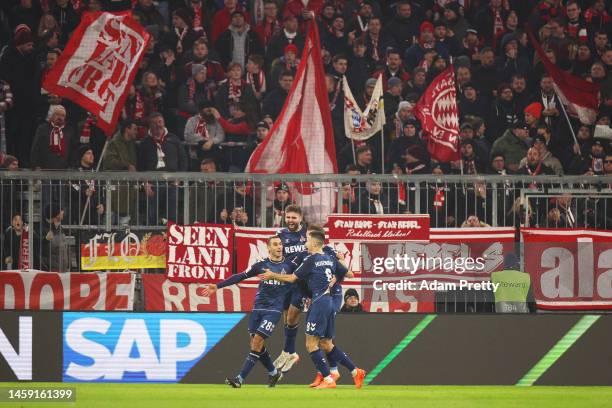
(580,97)
(302,140)
(437,111)
(99,64)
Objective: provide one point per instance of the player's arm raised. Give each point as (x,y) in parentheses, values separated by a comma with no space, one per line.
(232,280)
(269,275)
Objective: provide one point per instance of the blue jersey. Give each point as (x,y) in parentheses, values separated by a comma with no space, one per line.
(318,271)
(340,272)
(293,242)
(270,294)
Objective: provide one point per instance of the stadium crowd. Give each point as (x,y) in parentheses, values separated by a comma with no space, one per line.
(216,74)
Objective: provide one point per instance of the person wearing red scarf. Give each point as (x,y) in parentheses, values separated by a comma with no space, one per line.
(54,142)
(303,11)
(270,25)
(222,19)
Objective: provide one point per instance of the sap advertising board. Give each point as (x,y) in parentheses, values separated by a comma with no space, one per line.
(139,347)
(107,347)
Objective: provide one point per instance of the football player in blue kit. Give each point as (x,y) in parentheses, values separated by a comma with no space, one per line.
(293,238)
(267,310)
(318,270)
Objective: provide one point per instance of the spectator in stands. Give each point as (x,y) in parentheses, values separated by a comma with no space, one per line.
(121,155)
(54,143)
(200,55)
(336,42)
(409,137)
(490,21)
(203,135)
(11,250)
(255,75)
(378,41)
(503,112)
(393,68)
(561,215)
(235,89)
(470,161)
(302,11)
(487,72)
(204,204)
(152,94)
(351,302)
(288,35)
(546,157)
(270,25)
(364,158)
(532,114)
(238,144)
(67,17)
(182,36)
(360,67)
(198,90)
(161,151)
(238,42)
(427,41)
(513,145)
(455,20)
(275,216)
(86,196)
(372,200)
(471,103)
(18,68)
(404,26)
(275,99)
(534,166)
(288,62)
(55,252)
(550,101)
(223,18)
(473,222)
(591,161)
(416,160)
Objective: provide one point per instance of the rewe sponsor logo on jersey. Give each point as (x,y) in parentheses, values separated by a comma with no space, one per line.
(139,347)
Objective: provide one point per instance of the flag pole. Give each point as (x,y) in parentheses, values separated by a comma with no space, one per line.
(382,151)
(569,124)
(354,154)
(97,169)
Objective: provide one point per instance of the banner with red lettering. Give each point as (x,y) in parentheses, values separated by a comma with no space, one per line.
(400,227)
(98,65)
(199,253)
(163,295)
(24,249)
(454,242)
(37,290)
(570,269)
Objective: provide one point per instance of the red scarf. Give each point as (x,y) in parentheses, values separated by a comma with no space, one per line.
(201,128)
(57,142)
(24,246)
(498,26)
(438,201)
(257,81)
(86,131)
(402,195)
(375,55)
(235,91)
(270,29)
(139,110)
(198,18)
(534,173)
(162,139)
(181,36)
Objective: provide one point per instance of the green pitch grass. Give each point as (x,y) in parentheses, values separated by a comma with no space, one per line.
(255,396)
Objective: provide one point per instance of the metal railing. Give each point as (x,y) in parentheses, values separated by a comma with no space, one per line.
(63,208)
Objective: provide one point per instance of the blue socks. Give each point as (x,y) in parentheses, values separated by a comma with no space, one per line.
(290,335)
(333,364)
(265,359)
(248,365)
(319,362)
(340,356)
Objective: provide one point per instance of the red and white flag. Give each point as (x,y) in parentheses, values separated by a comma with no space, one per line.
(437,111)
(99,64)
(302,139)
(580,97)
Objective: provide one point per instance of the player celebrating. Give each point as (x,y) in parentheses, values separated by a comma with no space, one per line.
(318,271)
(293,238)
(336,293)
(267,310)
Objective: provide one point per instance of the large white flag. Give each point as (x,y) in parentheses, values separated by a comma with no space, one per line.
(302,140)
(360,125)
